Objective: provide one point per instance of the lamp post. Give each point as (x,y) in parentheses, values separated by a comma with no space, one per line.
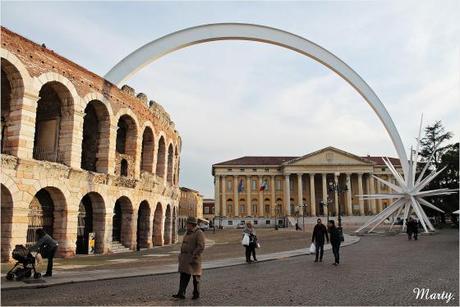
(340,189)
(303,206)
(323,205)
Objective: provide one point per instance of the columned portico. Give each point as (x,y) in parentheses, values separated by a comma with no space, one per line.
(287,195)
(312,194)
(360,192)
(273,195)
(224,196)
(248,196)
(236,206)
(349,204)
(217,196)
(372,191)
(300,193)
(324,185)
(261,198)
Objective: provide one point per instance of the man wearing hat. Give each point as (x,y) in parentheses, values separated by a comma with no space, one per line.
(190,259)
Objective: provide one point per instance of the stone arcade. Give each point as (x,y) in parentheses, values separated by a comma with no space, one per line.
(80,155)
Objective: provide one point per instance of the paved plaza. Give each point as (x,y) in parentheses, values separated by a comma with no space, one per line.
(379,270)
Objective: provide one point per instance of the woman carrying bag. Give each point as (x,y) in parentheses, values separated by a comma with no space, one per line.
(249,242)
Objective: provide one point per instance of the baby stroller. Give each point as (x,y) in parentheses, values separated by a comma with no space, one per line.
(24,266)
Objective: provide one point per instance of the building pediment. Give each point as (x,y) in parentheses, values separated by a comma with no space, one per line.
(328,156)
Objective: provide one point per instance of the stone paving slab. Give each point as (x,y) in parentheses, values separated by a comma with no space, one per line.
(105,274)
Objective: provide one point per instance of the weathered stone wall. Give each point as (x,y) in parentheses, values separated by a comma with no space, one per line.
(28,69)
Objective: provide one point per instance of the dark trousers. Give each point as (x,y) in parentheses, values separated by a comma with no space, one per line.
(50,255)
(335,251)
(184,280)
(319,247)
(410,234)
(250,250)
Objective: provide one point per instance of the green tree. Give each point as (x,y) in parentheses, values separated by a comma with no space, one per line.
(433,143)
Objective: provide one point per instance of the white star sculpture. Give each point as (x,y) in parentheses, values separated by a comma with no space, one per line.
(408,193)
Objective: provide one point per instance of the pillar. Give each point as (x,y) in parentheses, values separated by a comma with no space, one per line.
(300,193)
(379,201)
(224,196)
(272,191)
(312,195)
(236,205)
(360,192)
(324,186)
(261,198)
(336,193)
(367,192)
(287,195)
(217,195)
(349,201)
(248,196)
(372,191)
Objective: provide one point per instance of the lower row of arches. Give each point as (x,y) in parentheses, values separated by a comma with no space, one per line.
(124,225)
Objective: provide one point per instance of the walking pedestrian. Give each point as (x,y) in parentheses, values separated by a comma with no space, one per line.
(190,259)
(250,248)
(319,233)
(47,247)
(412,228)
(335,241)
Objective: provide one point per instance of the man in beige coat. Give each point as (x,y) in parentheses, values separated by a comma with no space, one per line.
(190,259)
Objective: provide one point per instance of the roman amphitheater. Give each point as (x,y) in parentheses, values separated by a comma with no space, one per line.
(81,156)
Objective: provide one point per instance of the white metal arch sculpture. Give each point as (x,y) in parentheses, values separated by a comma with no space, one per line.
(240,31)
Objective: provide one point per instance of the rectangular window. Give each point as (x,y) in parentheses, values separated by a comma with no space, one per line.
(230,207)
(267,209)
(241,208)
(278,185)
(256,222)
(254,185)
(206,210)
(212,210)
(254,209)
(267,222)
(291,183)
(230,223)
(229,185)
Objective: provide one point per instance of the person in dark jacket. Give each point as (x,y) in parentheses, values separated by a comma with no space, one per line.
(412,228)
(47,247)
(251,248)
(193,245)
(335,241)
(319,233)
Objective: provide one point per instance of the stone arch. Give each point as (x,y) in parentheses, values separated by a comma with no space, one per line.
(7,222)
(91,218)
(174,225)
(48,210)
(170,164)
(54,123)
(122,222)
(158,225)
(258,33)
(143,225)
(11,100)
(161,157)
(168,225)
(126,142)
(96,132)
(147,150)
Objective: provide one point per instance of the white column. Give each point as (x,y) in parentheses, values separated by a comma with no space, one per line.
(312,195)
(379,201)
(224,196)
(287,195)
(300,192)
(217,195)
(261,198)
(360,192)
(349,204)
(336,193)
(324,185)
(273,200)
(367,192)
(372,191)
(248,196)
(235,196)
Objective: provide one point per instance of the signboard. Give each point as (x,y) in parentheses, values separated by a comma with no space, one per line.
(91,243)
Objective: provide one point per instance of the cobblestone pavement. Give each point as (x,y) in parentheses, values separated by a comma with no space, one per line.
(380,270)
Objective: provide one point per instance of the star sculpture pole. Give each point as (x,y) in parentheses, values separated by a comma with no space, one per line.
(407,194)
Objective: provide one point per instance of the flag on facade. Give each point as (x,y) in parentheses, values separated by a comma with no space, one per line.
(240,186)
(264,186)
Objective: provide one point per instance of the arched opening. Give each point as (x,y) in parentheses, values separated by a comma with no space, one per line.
(122,231)
(158,226)
(126,145)
(147,152)
(168,224)
(267,212)
(47,210)
(91,219)
(124,168)
(95,149)
(242,209)
(161,156)
(279,207)
(54,124)
(12,93)
(254,207)
(176,169)
(230,211)
(7,222)
(143,225)
(170,164)
(174,226)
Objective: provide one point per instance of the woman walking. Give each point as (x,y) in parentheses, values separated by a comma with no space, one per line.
(250,243)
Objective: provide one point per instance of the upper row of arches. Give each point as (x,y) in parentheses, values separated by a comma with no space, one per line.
(79,132)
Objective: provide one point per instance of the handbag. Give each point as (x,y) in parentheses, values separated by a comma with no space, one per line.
(258,245)
(245,240)
(312,248)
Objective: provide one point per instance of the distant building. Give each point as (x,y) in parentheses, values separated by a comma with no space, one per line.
(190,204)
(208,209)
(269,190)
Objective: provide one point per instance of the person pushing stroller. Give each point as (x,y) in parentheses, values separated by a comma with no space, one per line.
(47,247)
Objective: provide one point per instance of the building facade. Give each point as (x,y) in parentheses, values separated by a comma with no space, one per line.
(268,188)
(190,204)
(81,156)
(208,209)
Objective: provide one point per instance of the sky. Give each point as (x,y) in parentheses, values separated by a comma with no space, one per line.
(234,98)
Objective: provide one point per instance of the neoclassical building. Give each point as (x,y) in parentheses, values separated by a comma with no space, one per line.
(272,187)
(81,156)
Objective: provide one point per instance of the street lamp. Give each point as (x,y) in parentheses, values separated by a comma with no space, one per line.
(323,205)
(340,189)
(303,206)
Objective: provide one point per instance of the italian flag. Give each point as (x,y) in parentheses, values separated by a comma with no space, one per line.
(264,186)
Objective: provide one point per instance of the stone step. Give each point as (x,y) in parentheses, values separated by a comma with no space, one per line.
(117,247)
